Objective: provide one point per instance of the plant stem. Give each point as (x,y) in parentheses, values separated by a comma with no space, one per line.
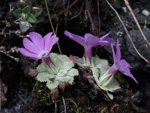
(64,104)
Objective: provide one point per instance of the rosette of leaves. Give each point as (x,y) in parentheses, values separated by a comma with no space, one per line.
(59,70)
(100,69)
(26,16)
(105,81)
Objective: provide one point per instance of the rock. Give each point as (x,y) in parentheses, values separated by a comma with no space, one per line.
(145,12)
(124,9)
(139,43)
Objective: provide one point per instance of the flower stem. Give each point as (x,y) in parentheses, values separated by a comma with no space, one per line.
(47,60)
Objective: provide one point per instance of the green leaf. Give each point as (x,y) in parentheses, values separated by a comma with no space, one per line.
(96,74)
(30,18)
(26,9)
(101,64)
(107,82)
(83,62)
(110,95)
(44,76)
(17,13)
(72,72)
(37,11)
(44,68)
(24,25)
(52,85)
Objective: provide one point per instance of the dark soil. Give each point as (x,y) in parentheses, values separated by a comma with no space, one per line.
(19,91)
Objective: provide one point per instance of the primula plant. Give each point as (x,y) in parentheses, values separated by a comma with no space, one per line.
(55,69)
(59,70)
(106,80)
(102,72)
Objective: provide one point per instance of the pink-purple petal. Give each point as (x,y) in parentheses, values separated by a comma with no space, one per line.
(30,46)
(123,67)
(105,36)
(114,55)
(95,41)
(37,40)
(48,36)
(47,42)
(27,53)
(91,40)
(104,43)
(128,73)
(76,38)
(109,41)
(54,40)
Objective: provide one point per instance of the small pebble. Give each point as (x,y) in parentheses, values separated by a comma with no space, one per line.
(124,9)
(145,12)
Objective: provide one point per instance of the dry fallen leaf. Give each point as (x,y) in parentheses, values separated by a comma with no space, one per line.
(62,85)
(33,72)
(54,94)
(74,59)
(85,74)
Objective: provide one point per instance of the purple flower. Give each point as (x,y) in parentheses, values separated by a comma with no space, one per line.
(38,47)
(89,41)
(120,64)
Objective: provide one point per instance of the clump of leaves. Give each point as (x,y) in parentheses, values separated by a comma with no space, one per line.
(26,16)
(58,71)
(100,68)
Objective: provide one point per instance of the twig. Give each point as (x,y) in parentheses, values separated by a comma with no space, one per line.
(56,3)
(113,107)
(90,17)
(126,31)
(72,101)
(7,53)
(0,88)
(79,11)
(0,94)
(55,107)
(57,27)
(137,23)
(63,11)
(0,65)
(16,32)
(65,14)
(64,104)
(51,24)
(49,16)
